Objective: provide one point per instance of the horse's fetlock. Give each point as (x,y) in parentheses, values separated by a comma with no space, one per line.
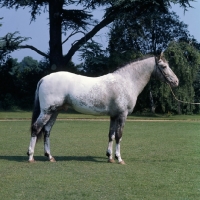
(108,153)
(46,154)
(29,153)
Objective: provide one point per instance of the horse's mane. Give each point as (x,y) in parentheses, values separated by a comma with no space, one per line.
(132,61)
(138,59)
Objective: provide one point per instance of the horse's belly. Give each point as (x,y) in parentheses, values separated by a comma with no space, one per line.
(92,110)
(94,106)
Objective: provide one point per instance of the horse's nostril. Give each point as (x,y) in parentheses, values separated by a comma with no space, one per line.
(177,82)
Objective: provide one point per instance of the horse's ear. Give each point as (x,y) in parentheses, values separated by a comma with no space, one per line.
(163,57)
(160,56)
(157,58)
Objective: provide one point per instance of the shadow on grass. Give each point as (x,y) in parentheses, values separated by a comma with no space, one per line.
(58,158)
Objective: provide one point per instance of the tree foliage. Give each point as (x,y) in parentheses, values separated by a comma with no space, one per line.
(147,35)
(18,82)
(184,58)
(151,36)
(7,88)
(9,43)
(95,59)
(73,17)
(139,27)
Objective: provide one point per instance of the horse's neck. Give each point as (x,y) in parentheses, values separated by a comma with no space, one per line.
(140,73)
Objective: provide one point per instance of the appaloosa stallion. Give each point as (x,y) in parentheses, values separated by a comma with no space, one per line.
(114,94)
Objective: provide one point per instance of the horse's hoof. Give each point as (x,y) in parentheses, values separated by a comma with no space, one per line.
(52,159)
(111,160)
(122,163)
(32,161)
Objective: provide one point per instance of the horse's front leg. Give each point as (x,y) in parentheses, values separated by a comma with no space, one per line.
(120,122)
(111,137)
(109,152)
(117,152)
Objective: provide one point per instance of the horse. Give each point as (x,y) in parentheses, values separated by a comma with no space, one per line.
(114,94)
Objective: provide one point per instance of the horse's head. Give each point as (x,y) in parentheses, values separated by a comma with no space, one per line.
(164,73)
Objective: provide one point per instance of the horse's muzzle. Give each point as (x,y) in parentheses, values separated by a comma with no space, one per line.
(174,83)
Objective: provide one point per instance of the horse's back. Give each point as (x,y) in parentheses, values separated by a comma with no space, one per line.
(77,91)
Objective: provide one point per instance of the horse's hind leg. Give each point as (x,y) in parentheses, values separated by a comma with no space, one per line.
(47,129)
(35,130)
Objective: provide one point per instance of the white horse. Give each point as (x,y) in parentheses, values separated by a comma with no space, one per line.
(114,94)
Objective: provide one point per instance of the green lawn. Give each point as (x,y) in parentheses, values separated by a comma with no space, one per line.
(163,162)
(22,115)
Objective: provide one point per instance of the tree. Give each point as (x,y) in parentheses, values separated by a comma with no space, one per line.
(7,86)
(146,35)
(63,19)
(197,92)
(184,58)
(9,43)
(95,59)
(26,75)
(19,80)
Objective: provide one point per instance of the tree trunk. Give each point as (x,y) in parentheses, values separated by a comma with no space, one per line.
(55,32)
(179,108)
(85,38)
(152,105)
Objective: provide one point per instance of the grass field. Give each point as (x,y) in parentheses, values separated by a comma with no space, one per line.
(26,115)
(162,157)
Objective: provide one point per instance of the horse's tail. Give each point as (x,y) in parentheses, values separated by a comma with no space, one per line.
(36,110)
